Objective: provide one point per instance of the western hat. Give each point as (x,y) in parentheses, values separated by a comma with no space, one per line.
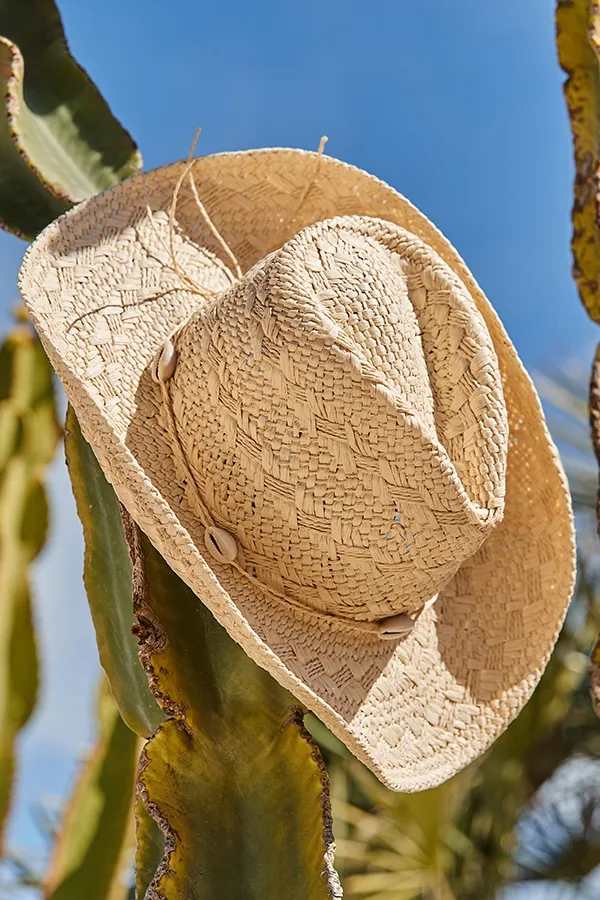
(302,396)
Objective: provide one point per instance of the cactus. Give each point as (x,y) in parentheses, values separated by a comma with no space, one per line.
(28,437)
(150,848)
(578,42)
(107,577)
(50,106)
(233,777)
(59,142)
(94,850)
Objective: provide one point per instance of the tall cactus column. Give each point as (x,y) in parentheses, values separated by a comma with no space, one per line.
(578,42)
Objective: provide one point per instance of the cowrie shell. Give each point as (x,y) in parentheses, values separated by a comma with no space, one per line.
(396,626)
(221,545)
(164,362)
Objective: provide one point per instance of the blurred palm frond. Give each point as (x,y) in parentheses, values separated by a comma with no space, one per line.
(505,820)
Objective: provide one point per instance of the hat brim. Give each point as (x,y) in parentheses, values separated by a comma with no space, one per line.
(417,711)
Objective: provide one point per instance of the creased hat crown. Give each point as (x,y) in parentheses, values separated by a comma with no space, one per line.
(342,413)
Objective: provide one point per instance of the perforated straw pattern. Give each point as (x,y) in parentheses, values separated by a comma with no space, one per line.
(378,361)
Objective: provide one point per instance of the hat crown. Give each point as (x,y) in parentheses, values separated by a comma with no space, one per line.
(342,412)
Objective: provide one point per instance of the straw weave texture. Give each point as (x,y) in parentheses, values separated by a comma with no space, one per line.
(352,411)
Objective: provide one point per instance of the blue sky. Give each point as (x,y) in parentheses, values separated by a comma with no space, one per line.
(457,103)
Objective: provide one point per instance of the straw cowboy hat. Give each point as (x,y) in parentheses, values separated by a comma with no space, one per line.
(304,399)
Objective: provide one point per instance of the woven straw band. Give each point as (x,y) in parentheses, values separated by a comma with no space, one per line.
(390,321)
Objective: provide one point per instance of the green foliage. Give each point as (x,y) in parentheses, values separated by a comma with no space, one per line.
(107,577)
(59,142)
(28,439)
(233,777)
(94,849)
(402,848)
